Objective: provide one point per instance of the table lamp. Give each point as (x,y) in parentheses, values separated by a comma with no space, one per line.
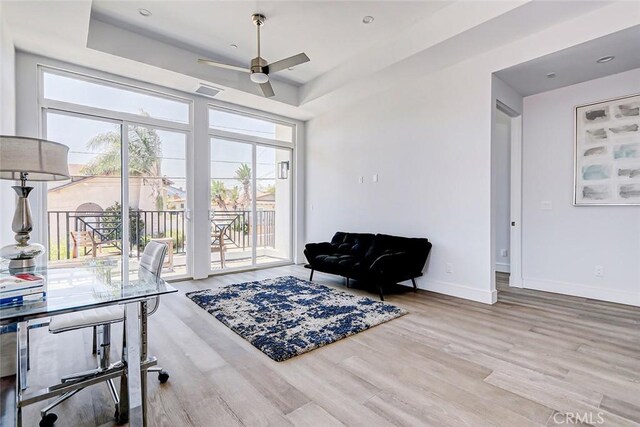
(32,159)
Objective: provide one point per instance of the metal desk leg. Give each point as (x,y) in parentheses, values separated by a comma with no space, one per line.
(21,369)
(131,404)
(143,357)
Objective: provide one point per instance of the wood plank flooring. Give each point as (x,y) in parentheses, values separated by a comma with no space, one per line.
(528,360)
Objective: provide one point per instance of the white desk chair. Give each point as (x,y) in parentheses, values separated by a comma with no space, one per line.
(101,319)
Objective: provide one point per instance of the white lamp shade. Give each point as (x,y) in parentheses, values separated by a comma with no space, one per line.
(43,160)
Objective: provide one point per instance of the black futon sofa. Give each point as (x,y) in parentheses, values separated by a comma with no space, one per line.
(378,259)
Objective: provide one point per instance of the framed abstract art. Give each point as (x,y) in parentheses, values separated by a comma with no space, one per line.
(607,152)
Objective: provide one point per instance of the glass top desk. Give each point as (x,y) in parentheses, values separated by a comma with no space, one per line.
(85,286)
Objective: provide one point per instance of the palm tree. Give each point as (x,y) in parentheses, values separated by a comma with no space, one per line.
(234,196)
(243,174)
(219,194)
(145,151)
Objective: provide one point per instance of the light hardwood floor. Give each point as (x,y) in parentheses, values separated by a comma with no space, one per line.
(524,361)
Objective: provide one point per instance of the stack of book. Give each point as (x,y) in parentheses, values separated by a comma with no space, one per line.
(21,288)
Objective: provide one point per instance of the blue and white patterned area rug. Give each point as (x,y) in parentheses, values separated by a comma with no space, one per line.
(287,316)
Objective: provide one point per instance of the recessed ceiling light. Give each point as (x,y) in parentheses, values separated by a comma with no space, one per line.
(606,59)
(233,46)
(144,12)
(551,75)
(367,19)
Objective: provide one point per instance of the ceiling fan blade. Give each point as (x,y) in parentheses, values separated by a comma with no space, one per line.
(221,65)
(267,90)
(291,61)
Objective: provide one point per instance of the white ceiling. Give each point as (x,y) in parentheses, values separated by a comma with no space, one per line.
(330,32)
(349,60)
(576,64)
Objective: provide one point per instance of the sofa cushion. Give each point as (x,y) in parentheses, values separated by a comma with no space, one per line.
(359,243)
(338,238)
(336,262)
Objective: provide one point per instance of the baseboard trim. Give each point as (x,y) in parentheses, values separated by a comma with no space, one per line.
(459,291)
(578,290)
(503,267)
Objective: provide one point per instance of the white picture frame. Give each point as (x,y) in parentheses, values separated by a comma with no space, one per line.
(607,153)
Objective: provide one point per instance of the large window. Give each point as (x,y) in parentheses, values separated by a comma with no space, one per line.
(81,91)
(133,162)
(243,124)
(85,217)
(251,191)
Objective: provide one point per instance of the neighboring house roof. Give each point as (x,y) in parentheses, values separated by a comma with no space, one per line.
(74,180)
(266,197)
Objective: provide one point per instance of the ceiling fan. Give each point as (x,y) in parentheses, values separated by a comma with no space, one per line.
(260,68)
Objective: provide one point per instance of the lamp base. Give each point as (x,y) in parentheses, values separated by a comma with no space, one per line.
(22,265)
(22,258)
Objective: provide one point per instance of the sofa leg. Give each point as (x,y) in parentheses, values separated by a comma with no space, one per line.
(415,287)
(311,276)
(347,282)
(381,293)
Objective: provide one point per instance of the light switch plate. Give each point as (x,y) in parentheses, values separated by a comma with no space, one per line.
(375,178)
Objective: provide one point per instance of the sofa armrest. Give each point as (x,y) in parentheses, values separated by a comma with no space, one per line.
(393,264)
(311,250)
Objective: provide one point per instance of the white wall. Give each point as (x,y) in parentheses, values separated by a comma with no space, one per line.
(429,139)
(7,124)
(501,169)
(430,145)
(562,246)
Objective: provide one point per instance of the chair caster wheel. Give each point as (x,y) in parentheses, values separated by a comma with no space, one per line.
(48,420)
(163,377)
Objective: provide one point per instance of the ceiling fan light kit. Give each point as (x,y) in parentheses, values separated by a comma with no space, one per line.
(259,78)
(259,68)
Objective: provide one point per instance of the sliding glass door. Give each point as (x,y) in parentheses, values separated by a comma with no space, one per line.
(84,213)
(250,204)
(85,220)
(157,190)
(231,204)
(273,204)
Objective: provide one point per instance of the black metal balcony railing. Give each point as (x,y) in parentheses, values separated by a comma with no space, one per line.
(105,230)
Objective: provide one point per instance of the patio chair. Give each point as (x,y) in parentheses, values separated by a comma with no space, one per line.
(218,243)
(83,239)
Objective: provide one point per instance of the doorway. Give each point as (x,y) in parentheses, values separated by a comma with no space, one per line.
(251,204)
(85,221)
(507,196)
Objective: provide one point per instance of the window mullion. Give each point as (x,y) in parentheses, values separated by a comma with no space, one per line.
(254,213)
(124,190)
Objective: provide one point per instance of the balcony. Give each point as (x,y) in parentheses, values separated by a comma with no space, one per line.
(75,236)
